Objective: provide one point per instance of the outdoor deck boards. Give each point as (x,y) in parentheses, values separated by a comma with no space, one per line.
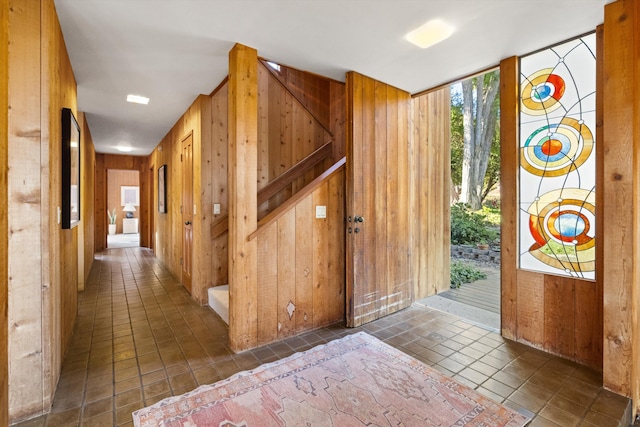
(484,294)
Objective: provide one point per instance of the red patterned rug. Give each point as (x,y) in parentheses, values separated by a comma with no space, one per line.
(354,381)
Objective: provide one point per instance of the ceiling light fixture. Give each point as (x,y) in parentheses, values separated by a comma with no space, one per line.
(430,33)
(137,99)
(123,148)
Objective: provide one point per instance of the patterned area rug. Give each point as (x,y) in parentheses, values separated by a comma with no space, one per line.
(354,381)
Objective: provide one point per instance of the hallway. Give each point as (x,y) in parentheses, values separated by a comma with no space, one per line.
(140,338)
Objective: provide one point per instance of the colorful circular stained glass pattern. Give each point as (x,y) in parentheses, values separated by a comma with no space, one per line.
(561,223)
(542,92)
(557,149)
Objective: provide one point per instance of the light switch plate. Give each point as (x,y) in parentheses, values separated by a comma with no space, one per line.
(321,211)
(216,208)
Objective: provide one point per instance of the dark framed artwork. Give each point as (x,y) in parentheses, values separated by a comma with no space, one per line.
(162,189)
(70,215)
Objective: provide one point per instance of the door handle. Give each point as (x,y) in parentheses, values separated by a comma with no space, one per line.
(187,223)
(358,219)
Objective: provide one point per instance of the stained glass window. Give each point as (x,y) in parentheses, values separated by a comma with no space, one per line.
(557,159)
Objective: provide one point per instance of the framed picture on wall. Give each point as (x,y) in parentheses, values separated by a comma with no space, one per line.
(70,212)
(130,194)
(162,189)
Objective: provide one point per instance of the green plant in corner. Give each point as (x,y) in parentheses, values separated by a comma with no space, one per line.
(112,216)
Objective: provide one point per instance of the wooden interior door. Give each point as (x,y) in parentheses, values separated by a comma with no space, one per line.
(187,210)
(379,277)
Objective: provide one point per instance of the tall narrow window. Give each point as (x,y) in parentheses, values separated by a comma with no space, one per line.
(557,159)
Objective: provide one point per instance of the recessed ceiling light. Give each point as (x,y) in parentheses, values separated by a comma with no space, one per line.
(430,33)
(123,148)
(137,99)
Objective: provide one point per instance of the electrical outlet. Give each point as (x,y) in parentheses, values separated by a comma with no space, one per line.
(321,211)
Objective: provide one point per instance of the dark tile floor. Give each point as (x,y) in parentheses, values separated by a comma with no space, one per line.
(140,338)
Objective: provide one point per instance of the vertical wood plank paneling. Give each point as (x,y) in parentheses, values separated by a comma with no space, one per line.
(219,141)
(559,315)
(304,278)
(620,146)
(60,256)
(43,282)
(635,357)
(337,119)
(370,148)
(243,136)
(419,209)
(4,240)
(301,260)
(288,132)
(322,295)
(263,127)
(384,185)
(298,140)
(588,324)
(287,138)
(509,161)
(24,210)
(429,198)
(268,285)
(597,322)
(147,178)
(371,290)
(275,135)
(441,110)
(403,284)
(309,90)
(100,203)
(203,200)
(286,273)
(530,315)
(336,248)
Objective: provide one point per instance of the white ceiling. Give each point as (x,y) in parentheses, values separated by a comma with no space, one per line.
(173,50)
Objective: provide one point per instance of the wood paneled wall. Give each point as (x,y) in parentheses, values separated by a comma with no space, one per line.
(214,187)
(621,190)
(321,97)
(4,230)
(104,163)
(287,130)
(270,130)
(301,263)
(287,133)
(26,282)
(44,258)
(561,315)
(116,178)
(430,176)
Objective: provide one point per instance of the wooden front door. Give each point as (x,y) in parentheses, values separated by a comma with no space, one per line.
(378,239)
(187,210)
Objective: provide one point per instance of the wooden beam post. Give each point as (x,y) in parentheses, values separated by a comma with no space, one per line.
(509,78)
(243,158)
(621,186)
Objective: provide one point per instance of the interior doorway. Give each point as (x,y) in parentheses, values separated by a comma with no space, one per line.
(123,208)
